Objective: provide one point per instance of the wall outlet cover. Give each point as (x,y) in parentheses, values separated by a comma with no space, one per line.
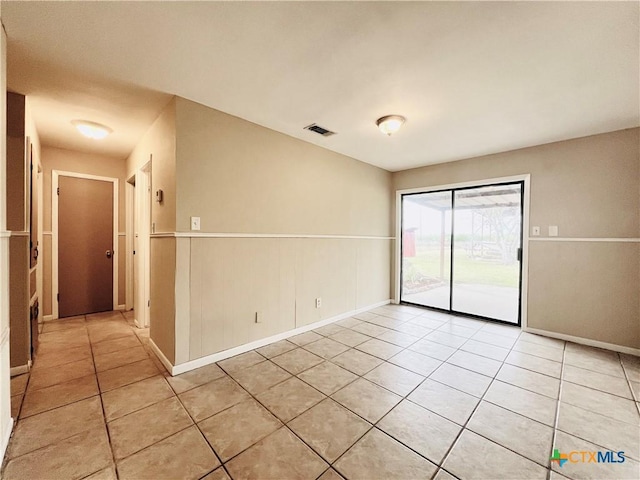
(195,223)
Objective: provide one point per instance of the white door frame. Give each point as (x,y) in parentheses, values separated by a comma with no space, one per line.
(526,178)
(141,237)
(54,225)
(130,191)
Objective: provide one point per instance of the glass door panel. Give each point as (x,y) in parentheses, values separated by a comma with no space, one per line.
(426,249)
(487,230)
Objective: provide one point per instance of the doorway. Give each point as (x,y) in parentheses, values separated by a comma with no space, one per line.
(461,250)
(85,267)
(141,282)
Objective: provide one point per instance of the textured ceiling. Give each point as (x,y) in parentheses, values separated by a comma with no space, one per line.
(471,78)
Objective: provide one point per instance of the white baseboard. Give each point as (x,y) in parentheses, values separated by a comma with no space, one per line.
(7,437)
(47,318)
(585,341)
(20,369)
(165,361)
(120,307)
(232,352)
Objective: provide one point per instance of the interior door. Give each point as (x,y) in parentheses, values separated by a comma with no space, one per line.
(85,246)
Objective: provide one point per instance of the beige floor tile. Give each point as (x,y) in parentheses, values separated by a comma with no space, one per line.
(138,430)
(416,362)
(75,457)
(469,382)
(589,470)
(413,329)
(329,428)
(421,430)
(427,322)
(355,320)
(486,350)
(331,474)
(631,365)
(257,378)
(447,402)
(290,398)
(350,337)
(64,324)
(432,349)
(111,346)
(541,340)
(493,339)
(448,339)
(603,403)
(45,377)
(379,349)
(370,329)
(356,361)
(599,381)
(135,396)
(515,432)
(186,381)
(218,474)
(468,459)
(471,323)
(37,401)
(112,332)
(280,455)
(398,338)
(443,475)
(326,348)
(543,351)
(598,429)
(126,374)
(120,358)
(237,428)
(64,338)
(277,348)
(327,377)
(529,380)
(19,384)
(530,404)
(305,338)
(378,456)
(108,473)
(185,455)
(105,317)
(329,330)
(296,361)
(241,361)
(394,378)
(459,330)
(47,358)
(367,399)
(475,363)
(594,359)
(16,403)
(535,364)
(56,425)
(213,397)
(502,330)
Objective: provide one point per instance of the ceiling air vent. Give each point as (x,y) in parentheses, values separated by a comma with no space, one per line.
(319,130)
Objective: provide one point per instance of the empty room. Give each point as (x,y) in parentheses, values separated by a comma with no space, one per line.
(320,240)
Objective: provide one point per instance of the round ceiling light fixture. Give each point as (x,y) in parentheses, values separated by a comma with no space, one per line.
(390,123)
(92,130)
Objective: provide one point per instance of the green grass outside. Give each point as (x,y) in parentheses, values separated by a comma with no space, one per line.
(467,270)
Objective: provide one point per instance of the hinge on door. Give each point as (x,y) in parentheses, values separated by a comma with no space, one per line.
(148,303)
(58,191)
(58,297)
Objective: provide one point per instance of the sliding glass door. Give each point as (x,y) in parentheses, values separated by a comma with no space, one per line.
(461,250)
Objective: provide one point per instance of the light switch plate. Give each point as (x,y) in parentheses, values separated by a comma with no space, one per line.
(195,223)
(553,230)
(535,231)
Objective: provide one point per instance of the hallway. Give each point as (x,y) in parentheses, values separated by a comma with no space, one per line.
(397,392)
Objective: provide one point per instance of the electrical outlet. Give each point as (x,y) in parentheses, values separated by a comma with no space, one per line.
(195,223)
(318,302)
(535,231)
(258,317)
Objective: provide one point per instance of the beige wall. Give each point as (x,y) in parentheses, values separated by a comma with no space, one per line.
(589,188)
(243,178)
(159,145)
(91,164)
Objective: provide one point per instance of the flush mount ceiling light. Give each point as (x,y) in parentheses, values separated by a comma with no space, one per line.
(390,123)
(93,130)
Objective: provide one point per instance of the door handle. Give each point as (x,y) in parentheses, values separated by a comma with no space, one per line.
(108,253)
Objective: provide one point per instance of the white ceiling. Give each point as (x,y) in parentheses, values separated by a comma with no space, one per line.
(471,78)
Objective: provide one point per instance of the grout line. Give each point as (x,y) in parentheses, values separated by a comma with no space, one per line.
(557,412)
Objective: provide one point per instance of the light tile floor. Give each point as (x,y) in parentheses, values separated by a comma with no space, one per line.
(397,392)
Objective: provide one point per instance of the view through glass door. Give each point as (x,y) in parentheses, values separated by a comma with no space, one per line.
(461,250)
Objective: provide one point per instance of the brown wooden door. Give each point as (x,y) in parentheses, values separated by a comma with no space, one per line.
(85,246)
